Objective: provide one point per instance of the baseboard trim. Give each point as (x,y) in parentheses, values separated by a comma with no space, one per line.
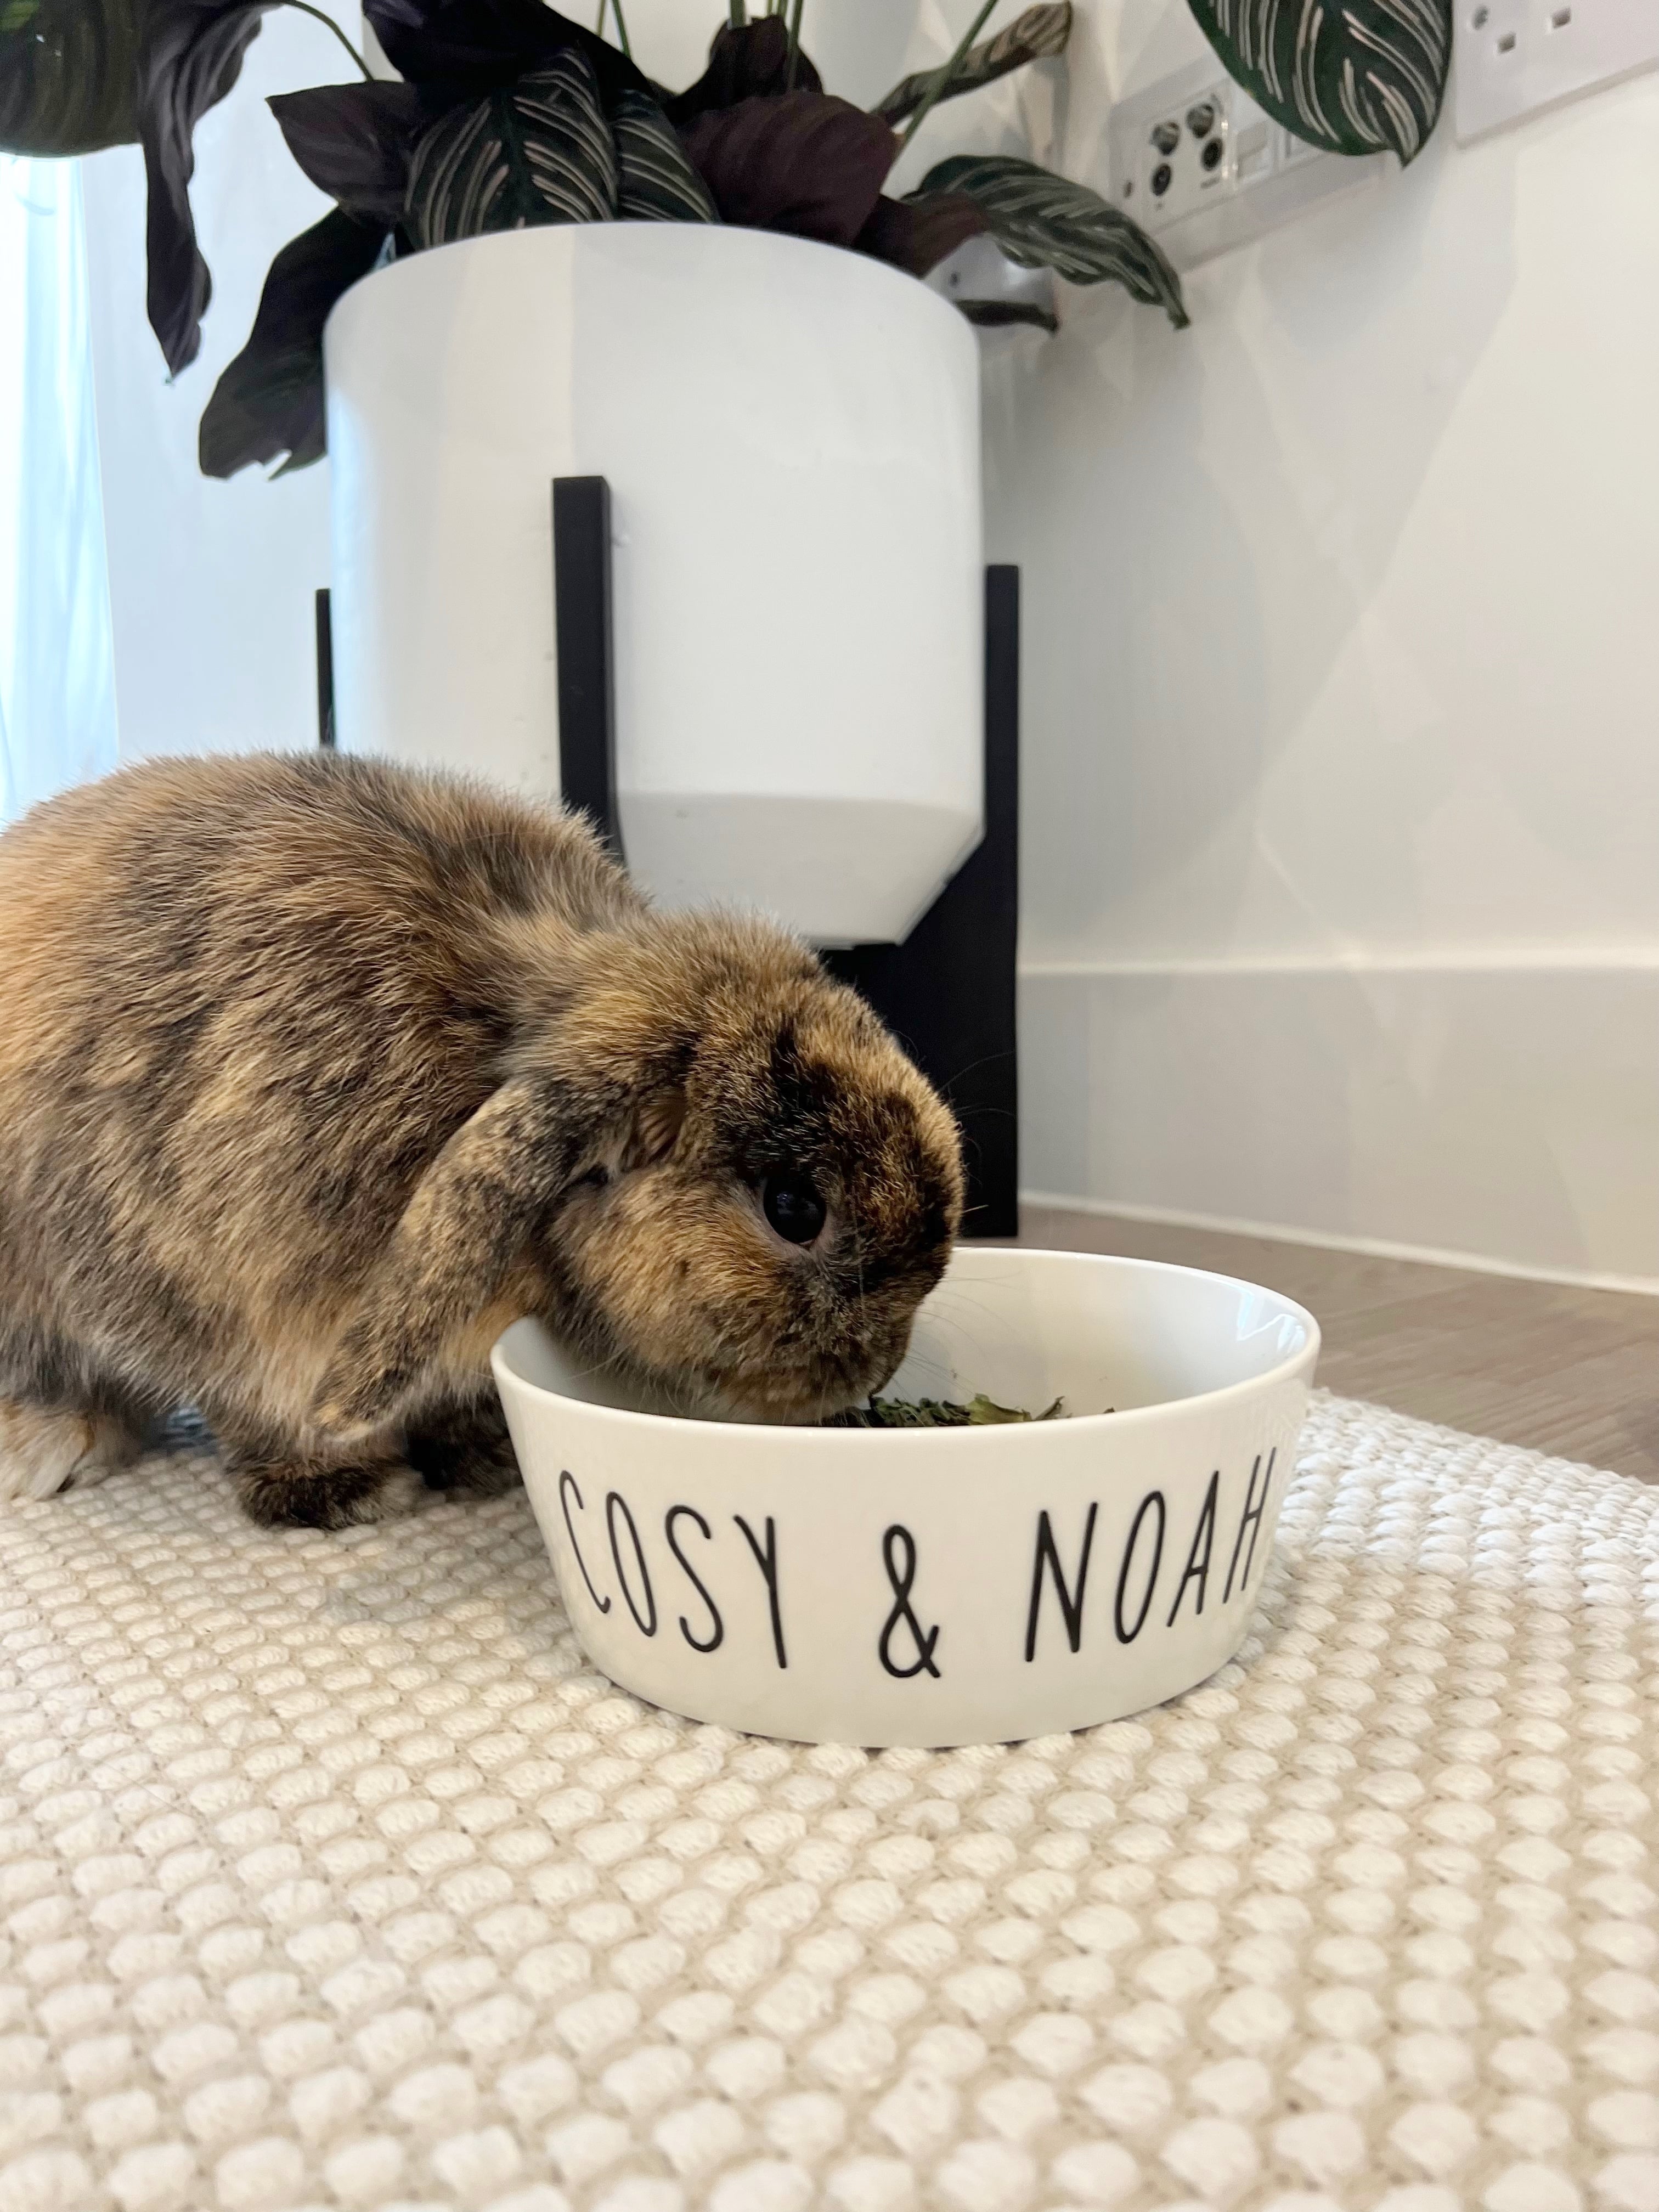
(1374,1247)
(1615,960)
(1501,1119)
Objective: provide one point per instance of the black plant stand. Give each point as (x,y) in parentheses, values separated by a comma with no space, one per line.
(582,621)
(324,674)
(947,993)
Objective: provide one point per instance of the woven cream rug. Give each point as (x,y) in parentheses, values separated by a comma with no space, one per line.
(329,1876)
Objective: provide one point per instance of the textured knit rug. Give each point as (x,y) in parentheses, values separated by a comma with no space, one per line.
(330,1876)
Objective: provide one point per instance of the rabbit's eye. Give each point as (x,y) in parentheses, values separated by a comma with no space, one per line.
(793,1206)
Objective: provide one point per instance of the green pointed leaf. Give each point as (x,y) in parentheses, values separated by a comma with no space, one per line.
(66,75)
(1352,76)
(540,152)
(1037,35)
(656,180)
(1045,222)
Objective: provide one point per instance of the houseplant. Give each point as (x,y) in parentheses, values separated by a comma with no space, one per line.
(76,75)
(514,116)
(510,116)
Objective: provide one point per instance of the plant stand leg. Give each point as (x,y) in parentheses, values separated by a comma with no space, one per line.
(581,617)
(324,674)
(947,993)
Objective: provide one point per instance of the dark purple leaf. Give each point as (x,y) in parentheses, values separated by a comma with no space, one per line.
(468,47)
(354,142)
(270,400)
(746,62)
(382,16)
(918,235)
(999,314)
(802,161)
(190,53)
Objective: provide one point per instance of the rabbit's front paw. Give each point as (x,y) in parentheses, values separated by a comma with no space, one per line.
(465,1451)
(46,1448)
(291,1493)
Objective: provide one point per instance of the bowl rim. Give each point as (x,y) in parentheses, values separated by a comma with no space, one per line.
(1303,1358)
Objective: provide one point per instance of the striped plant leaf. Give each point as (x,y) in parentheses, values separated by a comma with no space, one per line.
(540,152)
(1043,220)
(1037,35)
(656,182)
(66,81)
(1352,76)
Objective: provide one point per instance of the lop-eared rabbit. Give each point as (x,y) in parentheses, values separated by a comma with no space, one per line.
(315,1073)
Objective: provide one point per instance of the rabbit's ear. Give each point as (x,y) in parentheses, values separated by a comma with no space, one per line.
(466,1222)
(656,1129)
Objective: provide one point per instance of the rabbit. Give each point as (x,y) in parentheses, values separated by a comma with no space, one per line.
(316,1072)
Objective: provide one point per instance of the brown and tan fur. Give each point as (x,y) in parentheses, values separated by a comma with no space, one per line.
(315,1073)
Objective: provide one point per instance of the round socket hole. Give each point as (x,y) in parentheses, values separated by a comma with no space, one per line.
(1163,178)
(1211,157)
(1201,118)
(1166,136)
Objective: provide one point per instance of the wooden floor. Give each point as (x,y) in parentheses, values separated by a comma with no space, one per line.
(1568,1371)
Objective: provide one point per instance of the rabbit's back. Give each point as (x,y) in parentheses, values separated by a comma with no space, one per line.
(176,878)
(248,1000)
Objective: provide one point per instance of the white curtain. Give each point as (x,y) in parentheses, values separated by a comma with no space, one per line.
(56,674)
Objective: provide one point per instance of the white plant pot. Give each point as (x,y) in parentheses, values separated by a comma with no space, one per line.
(790,437)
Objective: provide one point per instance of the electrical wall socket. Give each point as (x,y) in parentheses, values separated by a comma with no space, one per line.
(1514,57)
(1202,168)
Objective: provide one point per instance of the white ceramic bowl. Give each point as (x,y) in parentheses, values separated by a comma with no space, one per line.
(937,1587)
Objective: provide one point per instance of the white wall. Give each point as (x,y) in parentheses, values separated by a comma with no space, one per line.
(1342,751)
(211,584)
(1341,780)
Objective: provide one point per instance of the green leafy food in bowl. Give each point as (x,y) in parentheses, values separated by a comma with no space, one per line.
(979,1412)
